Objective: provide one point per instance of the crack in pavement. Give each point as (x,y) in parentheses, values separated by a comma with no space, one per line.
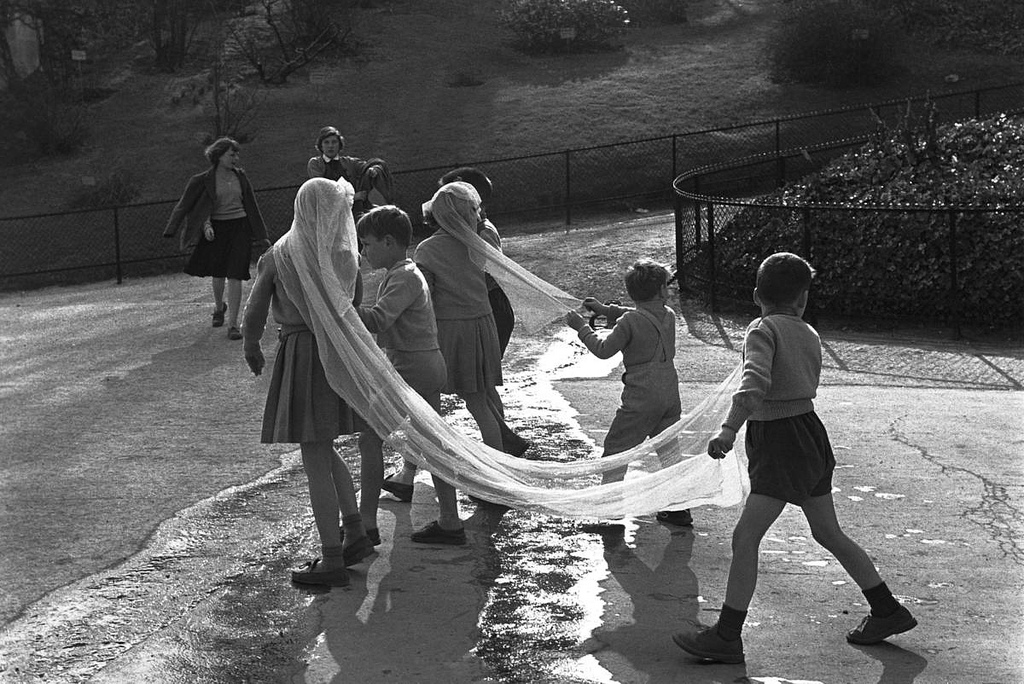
(995,513)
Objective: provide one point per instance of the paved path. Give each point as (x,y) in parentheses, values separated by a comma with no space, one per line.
(144,534)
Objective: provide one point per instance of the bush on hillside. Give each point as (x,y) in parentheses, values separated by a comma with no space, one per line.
(837,43)
(993,26)
(537,25)
(899,263)
(44,120)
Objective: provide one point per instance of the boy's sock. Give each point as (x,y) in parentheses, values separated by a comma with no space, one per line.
(730,623)
(883,603)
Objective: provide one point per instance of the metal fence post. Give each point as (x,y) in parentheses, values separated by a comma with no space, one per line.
(696,213)
(117,246)
(568,189)
(677,209)
(674,172)
(712,289)
(954,266)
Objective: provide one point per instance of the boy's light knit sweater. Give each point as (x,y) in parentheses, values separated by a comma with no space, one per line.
(781,369)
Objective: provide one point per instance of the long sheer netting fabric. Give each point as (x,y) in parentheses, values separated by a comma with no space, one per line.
(318,264)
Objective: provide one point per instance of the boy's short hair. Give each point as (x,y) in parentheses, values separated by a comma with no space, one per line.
(782,278)
(472,175)
(644,280)
(386,219)
(219,147)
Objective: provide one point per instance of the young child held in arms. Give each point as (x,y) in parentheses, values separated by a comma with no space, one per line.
(790,461)
(403,320)
(646,336)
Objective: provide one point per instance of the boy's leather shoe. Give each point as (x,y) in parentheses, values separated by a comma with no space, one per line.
(872,630)
(435,534)
(707,644)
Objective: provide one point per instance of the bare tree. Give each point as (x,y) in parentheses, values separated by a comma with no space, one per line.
(289,35)
(171,27)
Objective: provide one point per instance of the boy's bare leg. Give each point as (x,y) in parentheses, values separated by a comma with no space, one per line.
(820,512)
(759,513)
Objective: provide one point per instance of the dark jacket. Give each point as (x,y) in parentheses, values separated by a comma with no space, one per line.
(196,206)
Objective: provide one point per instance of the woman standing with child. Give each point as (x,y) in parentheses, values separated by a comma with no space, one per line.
(222,220)
(301,405)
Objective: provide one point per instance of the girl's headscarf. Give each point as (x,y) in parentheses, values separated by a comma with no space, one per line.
(455,208)
(320,251)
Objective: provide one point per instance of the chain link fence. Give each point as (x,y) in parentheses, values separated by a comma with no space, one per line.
(555,190)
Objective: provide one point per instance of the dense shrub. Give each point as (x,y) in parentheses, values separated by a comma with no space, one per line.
(995,26)
(537,24)
(44,120)
(899,263)
(832,42)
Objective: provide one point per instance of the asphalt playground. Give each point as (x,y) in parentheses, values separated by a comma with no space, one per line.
(145,535)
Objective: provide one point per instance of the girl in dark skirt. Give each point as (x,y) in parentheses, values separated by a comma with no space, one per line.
(222,220)
(301,405)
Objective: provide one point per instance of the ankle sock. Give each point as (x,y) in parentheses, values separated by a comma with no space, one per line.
(730,623)
(882,602)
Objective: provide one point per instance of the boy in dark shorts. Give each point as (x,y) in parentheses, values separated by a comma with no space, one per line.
(790,461)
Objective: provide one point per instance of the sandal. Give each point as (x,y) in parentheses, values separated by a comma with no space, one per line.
(329,578)
(218,315)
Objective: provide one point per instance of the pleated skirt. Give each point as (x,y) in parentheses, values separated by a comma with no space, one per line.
(301,406)
(471,352)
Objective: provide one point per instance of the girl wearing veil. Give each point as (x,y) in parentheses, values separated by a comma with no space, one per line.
(301,406)
(466,330)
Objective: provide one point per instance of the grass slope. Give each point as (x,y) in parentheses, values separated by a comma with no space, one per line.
(397,98)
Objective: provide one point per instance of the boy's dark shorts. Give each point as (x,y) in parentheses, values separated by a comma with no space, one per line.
(790,459)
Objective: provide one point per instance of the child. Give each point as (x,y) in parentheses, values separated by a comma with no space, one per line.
(646,336)
(403,320)
(790,460)
(501,307)
(400,484)
(466,331)
(301,406)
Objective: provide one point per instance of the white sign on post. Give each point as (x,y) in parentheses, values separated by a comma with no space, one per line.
(78,55)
